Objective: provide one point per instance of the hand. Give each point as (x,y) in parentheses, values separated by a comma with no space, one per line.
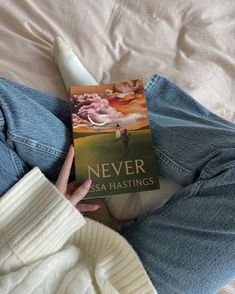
(70,191)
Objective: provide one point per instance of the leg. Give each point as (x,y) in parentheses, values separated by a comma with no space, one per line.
(71,69)
(34,131)
(12,168)
(188,245)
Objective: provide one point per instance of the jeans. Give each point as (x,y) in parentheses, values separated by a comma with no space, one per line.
(186,246)
(35,130)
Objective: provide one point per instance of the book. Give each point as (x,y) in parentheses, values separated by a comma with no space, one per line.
(112,138)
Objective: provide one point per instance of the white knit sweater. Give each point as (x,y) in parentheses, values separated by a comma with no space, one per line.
(46,246)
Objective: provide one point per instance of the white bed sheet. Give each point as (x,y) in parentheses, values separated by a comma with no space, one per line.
(191,42)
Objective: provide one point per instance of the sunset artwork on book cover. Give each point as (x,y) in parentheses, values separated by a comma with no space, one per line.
(112,138)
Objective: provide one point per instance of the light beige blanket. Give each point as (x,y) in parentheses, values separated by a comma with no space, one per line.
(191,42)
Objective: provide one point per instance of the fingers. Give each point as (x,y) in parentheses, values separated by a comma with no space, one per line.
(81,192)
(71,193)
(71,188)
(87,207)
(62,180)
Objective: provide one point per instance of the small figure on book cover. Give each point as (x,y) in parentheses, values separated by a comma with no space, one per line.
(125,139)
(118,131)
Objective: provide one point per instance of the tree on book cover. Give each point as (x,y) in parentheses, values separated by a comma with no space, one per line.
(112,138)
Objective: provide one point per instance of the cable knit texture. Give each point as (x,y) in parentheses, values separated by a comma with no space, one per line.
(46,246)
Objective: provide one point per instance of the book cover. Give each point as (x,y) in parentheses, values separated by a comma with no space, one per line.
(112,138)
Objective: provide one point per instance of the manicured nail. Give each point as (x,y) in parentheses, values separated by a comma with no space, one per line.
(88,182)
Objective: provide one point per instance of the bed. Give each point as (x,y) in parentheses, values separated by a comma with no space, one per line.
(190,42)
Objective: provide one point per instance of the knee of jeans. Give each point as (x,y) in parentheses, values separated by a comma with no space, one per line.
(12,167)
(221,160)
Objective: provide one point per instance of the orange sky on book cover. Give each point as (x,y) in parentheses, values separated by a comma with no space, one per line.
(129,104)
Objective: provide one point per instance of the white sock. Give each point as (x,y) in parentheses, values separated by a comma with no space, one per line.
(72,71)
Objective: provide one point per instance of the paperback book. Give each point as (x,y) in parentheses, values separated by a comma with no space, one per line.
(112,138)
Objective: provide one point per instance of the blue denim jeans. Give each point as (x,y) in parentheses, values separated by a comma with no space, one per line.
(35,130)
(186,246)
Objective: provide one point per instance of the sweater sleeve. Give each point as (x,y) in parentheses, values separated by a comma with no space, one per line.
(35,221)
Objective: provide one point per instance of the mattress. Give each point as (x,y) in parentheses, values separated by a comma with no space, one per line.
(190,42)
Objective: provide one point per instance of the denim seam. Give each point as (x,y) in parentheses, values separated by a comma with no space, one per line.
(170,162)
(228,166)
(153,79)
(38,146)
(151,218)
(2,119)
(204,175)
(17,163)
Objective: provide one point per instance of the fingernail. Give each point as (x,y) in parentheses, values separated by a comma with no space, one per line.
(88,182)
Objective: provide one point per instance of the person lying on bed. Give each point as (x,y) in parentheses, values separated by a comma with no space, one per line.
(47,246)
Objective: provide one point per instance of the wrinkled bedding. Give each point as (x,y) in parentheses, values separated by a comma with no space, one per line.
(190,42)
